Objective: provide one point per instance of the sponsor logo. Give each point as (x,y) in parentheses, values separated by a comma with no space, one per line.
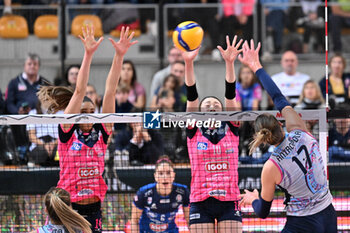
(151,120)
(219,166)
(153,206)
(158,227)
(178,190)
(238,213)
(76,146)
(178,198)
(85,173)
(195,216)
(149,200)
(151,214)
(229,151)
(217,192)
(164,201)
(81,118)
(84,192)
(202,146)
(149,192)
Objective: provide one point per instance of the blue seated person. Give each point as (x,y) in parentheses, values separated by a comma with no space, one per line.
(143,145)
(339,141)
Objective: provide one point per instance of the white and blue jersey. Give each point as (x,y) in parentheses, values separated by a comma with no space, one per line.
(303,174)
(159,212)
(51,228)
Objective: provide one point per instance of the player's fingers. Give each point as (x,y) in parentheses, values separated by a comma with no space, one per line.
(81,38)
(92,30)
(239,43)
(100,40)
(87,29)
(258,48)
(131,35)
(227,41)
(252,44)
(126,32)
(122,32)
(220,48)
(234,40)
(84,31)
(134,42)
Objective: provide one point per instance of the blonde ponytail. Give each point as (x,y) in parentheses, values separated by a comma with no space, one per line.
(55,98)
(268,131)
(57,202)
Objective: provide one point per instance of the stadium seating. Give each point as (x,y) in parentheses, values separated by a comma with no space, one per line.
(13,26)
(80,20)
(46,26)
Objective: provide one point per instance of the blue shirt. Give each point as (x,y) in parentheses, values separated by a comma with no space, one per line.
(159,211)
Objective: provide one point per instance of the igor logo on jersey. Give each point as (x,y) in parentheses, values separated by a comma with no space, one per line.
(158,227)
(202,146)
(217,166)
(88,172)
(76,146)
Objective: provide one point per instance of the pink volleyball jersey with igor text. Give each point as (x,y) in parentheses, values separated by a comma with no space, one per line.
(82,162)
(214,162)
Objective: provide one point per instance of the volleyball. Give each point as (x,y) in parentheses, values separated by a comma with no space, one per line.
(188,36)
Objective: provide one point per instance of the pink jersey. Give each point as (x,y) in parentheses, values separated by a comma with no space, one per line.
(214,163)
(82,162)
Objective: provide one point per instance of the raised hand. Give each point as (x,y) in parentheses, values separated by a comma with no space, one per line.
(250,56)
(231,52)
(88,39)
(124,43)
(248,197)
(189,56)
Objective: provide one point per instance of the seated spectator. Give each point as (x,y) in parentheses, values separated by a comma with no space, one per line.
(339,18)
(338,82)
(92,94)
(248,96)
(275,21)
(174,138)
(178,69)
(236,14)
(166,100)
(311,97)
(72,75)
(248,90)
(174,54)
(122,104)
(313,22)
(339,141)
(144,145)
(115,18)
(43,139)
(290,81)
(137,94)
(21,98)
(170,83)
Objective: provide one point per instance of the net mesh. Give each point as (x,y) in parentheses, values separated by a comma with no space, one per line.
(31,156)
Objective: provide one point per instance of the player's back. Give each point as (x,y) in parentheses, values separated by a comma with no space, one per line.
(303,171)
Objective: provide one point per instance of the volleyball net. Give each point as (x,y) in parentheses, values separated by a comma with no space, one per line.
(30,164)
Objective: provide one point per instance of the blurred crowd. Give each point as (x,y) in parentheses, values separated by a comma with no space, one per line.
(37,144)
(296,25)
